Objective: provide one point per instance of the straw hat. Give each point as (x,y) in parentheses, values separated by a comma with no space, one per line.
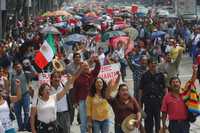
(57,65)
(128,125)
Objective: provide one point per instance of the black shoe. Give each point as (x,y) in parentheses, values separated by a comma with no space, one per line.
(20,130)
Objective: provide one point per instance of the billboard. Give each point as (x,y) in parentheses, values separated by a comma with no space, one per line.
(2,5)
(186,7)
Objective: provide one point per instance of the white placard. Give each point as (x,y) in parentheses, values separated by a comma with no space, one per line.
(44,78)
(109,72)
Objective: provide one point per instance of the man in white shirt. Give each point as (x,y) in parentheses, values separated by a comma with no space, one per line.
(63,114)
(101,55)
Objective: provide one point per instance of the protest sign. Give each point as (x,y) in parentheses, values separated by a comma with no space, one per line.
(109,72)
(44,78)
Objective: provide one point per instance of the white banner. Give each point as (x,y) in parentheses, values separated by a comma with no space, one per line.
(44,78)
(186,7)
(109,72)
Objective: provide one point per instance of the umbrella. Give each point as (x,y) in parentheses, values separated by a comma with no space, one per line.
(119,26)
(92,32)
(49,30)
(141,14)
(89,19)
(106,36)
(57,13)
(78,17)
(115,40)
(74,38)
(157,34)
(60,25)
(132,32)
(91,26)
(47,14)
(91,14)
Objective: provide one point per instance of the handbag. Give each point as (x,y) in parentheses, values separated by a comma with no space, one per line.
(192,100)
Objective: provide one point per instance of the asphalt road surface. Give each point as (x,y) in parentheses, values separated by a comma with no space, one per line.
(185,74)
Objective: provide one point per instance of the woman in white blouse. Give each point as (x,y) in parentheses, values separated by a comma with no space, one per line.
(5,100)
(45,109)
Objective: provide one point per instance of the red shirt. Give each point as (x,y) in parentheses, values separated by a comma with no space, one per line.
(174,107)
(83,83)
(122,110)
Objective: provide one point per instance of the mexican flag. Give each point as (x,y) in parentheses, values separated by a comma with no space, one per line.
(46,52)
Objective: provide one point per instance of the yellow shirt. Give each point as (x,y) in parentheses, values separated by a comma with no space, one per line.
(97,108)
(174,52)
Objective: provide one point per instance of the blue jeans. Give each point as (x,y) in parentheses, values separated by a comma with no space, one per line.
(23,103)
(118,129)
(101,126)
(179,127)
(83,116)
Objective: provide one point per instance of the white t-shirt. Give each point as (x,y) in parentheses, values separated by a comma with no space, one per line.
(5,116)
(102,59)
(36,95)
(46,110)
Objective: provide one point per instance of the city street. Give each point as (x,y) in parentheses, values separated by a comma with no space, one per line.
(56,54)
(185,74)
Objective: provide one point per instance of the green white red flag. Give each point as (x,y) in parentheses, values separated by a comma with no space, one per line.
(46,53)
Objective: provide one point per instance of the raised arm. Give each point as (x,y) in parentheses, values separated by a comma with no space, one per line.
(66,89)
(7,84)
(193,78)
(130,63)
(16,98)
(194,73)
(133,65)
(112,85)
(97,68)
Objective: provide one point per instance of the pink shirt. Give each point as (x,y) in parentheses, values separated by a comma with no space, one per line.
(174,107)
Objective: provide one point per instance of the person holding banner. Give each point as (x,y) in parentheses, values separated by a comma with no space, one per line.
(119,54)
(173,100)
(98,106)
(45,108)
